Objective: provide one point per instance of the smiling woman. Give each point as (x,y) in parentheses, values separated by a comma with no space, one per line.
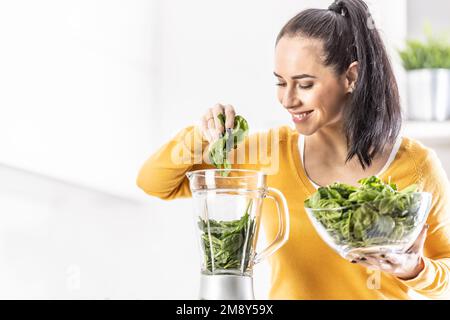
(335,79)
(343,61)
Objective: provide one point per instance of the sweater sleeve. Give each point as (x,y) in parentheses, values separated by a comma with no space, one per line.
(163,175)
(433,280)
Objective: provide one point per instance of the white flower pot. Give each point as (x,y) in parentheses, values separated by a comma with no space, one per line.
(428,95)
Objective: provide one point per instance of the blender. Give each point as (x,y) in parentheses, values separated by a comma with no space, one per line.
(227,207)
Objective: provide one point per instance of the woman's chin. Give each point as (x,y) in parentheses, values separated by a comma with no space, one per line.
(305,130)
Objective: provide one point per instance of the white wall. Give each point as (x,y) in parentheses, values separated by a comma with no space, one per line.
(77,89)
(59,241)
(421,12)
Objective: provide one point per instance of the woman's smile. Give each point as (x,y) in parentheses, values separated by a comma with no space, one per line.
(302,116)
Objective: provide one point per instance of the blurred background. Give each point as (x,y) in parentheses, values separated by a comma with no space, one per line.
(90,89)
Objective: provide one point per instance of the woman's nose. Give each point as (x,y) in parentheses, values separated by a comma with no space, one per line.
(290,99)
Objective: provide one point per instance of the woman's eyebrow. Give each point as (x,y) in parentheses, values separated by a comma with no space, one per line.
(300,76)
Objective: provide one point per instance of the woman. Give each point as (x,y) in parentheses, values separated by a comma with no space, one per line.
(335,78)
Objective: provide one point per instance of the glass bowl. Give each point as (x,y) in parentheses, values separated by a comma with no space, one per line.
(372,227)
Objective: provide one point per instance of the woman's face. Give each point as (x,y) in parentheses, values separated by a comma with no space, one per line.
(309,90)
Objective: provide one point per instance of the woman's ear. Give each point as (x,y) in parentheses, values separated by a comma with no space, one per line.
(351,76)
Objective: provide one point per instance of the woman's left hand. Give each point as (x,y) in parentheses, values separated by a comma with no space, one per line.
(402,265)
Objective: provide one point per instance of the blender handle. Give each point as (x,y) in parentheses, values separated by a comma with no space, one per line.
(283,225)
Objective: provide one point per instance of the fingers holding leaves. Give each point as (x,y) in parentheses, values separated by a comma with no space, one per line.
(218,125)
(207,122)
(229,116)
(220,149)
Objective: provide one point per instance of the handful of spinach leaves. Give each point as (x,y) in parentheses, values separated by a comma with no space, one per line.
(227,244)
(376,213)
(218,153)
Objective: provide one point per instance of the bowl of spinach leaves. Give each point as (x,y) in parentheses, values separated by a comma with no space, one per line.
(375,217)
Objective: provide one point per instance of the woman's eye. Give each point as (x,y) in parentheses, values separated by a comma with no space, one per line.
(307,86)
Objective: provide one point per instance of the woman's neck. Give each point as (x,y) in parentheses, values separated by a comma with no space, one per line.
(331,143)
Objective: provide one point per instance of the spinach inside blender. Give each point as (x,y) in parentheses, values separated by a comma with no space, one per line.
(227,244)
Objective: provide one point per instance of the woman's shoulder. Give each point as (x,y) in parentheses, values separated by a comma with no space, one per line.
(423,159)
(417,151)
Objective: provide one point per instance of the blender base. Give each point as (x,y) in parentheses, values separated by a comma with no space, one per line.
(226,287)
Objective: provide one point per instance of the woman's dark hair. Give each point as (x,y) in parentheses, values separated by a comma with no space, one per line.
(373,116)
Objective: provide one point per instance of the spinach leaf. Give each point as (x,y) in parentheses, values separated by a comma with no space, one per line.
(373,214)
(219,151)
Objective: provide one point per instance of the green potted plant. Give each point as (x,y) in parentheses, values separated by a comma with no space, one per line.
(428,74)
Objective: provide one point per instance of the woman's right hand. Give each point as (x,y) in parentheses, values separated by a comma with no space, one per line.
(211,128)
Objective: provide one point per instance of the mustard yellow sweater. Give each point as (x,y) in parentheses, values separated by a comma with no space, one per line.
(305,267)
